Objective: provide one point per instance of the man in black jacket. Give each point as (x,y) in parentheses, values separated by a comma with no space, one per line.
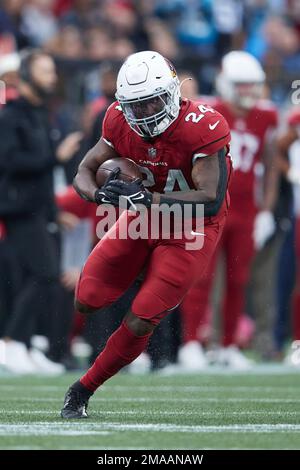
(27,157)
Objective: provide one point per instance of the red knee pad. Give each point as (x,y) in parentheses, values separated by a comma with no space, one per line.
(150,307)
(87,292)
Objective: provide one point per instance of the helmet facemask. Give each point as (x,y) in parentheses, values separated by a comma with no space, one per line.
(246,95)
(151,115)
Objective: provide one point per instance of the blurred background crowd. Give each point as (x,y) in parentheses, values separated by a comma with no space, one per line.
(88,40)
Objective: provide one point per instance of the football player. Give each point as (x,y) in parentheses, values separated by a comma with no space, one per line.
(250,223)
(288,154)
(182,148)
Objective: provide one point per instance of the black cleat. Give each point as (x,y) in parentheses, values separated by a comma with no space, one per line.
(75,405)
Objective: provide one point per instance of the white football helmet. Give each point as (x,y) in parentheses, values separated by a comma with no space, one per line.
(241,79)
(148,92)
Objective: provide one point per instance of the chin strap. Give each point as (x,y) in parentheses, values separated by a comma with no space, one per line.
(188,79)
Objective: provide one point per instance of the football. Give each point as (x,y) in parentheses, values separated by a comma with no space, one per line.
(129,170)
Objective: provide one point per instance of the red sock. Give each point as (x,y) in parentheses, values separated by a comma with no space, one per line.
(121,349)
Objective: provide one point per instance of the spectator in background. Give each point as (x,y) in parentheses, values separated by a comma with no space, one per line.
(122,48)
(39,23)
(98,43)
(27,157)
(61,6)
(81,14)
(101,83)
(161,39)
(9,279)
(9,66)
(11,35)
(124,21)
(108,78)
(67,43)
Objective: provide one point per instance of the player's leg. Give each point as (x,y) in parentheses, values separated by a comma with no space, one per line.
(284,286)
(195,304)
(239,251)
(194,311)
(170,273)
(296,299)
(122,347)
(293,357)
(110,269)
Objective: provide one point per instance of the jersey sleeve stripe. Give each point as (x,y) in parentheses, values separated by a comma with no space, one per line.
(215,141)
(108,142)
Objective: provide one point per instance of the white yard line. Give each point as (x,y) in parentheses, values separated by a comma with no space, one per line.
(158,400)
(33,447)
(49,429)
(258,369)
(74,429)
(159,388)
(150,413)
(200,388)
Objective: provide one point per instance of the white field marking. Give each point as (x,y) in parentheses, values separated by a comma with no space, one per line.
(71,447)
(161,400)
(40,388)
(150,413)
(21,448)
(47,429)
(200,388)
(178,449)
(162,388)
(169,388)
(259,369)
(75,429)
(76,447)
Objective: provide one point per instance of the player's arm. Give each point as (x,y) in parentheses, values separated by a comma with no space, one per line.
(209,176)
(264,223)
(85,179)
(271,173)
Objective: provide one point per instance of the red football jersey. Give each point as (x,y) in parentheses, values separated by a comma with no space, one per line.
(166,161)
(248,136)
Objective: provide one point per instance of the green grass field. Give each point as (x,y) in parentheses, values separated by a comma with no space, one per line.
(258,410)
